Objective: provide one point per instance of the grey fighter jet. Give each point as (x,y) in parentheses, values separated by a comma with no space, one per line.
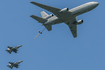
(65,15)
(11,64)
(14,49)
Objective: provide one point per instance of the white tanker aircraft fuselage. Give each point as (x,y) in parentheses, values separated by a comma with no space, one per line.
(75,12)
(63,15)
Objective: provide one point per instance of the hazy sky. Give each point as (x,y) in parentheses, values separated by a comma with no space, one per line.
(56,49)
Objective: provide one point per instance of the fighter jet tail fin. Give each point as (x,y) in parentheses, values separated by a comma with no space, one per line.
(10,66)
(39,19)
(44,14)
(8,51)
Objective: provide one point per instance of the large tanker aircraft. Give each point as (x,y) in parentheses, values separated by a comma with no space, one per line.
(65,15)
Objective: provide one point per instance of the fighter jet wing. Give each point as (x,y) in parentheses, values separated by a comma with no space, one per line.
(10,66)
(11,63)
(15,51)
(49,8)
(10,47)
(72,26)
(8,51)
(17,66)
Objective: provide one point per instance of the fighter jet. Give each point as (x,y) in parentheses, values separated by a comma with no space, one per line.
(14,49)
(11,64)
(65,15)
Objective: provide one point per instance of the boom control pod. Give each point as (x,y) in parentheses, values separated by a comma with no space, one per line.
(40,32)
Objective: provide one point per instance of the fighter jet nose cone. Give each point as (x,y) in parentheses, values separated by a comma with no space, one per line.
(20,45)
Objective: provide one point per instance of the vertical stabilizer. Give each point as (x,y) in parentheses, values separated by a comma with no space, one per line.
(44,14)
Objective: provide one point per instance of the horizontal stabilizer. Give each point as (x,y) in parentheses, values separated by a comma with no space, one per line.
(48,27)
(8,51)
(10,66)
(39,19)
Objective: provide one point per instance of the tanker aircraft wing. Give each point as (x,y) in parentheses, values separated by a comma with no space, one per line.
(49,8)
(54,10)
(72,26)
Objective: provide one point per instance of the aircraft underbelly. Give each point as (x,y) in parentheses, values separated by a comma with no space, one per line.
(57,21)
(60,20)
(53,21)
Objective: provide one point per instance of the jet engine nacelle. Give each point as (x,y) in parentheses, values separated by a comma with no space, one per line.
(79,22)
(49,16)
(64,10)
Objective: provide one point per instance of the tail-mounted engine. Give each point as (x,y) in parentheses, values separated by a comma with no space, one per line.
(79,22)
(49,16)
(64,10)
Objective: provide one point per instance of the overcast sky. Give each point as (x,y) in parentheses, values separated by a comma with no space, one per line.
(56,49)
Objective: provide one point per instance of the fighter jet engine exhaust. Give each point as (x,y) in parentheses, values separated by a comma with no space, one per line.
(79,22)
(64,10)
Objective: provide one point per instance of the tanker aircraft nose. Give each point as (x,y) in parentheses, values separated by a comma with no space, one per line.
(96,3)
(93,4)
